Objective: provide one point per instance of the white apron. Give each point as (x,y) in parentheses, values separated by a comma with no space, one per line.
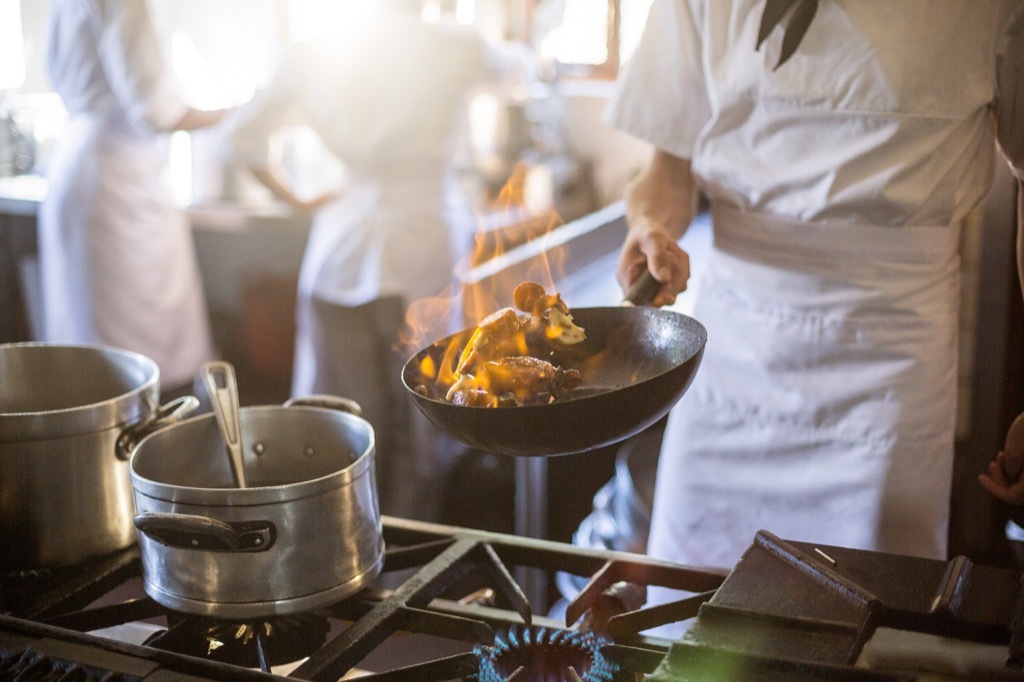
(386,236)
(824,407)
(117,260)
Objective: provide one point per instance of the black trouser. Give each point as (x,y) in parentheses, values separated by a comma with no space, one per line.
(358,357)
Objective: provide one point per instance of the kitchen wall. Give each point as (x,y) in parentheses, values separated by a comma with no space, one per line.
(615,156)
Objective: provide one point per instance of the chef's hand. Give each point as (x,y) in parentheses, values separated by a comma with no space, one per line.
(311,205)
(1001,482)
(1005,477)
(660,204)
(652,249)
(279,186)
(194,119)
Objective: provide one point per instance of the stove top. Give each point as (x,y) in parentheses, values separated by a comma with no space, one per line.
(791,610)
(449,606)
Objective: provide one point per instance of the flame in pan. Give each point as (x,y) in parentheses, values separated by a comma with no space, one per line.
(508,248)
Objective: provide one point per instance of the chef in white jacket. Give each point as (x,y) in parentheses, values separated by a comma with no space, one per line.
(117,261)
(387,94)
(824,407)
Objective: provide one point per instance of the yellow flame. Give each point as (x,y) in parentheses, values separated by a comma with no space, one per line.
(505,224)
(427,367)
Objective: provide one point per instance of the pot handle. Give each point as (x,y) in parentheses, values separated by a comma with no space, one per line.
(165,415)
(332,402)
(190,531)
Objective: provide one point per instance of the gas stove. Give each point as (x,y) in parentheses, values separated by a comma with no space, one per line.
(449,606)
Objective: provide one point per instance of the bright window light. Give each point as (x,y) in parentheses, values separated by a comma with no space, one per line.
(582,35)
(465,11)
(312,18)
(205,90)
(12,54)
(633,16)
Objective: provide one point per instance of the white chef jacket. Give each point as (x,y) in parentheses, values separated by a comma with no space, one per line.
(117,260)
(824,407)
(386,96)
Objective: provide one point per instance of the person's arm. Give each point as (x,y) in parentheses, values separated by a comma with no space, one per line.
(134,63)
(270,178)
(660,204)
(280,105)
(199,118)
(1020,234)
(1004,478)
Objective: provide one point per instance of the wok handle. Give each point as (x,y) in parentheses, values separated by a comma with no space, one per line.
(332,402)
(168,414)
(191,531)
(642,290)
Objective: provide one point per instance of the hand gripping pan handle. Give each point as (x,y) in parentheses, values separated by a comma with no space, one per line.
(642,290)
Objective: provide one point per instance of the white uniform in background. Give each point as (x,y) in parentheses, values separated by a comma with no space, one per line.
(824,408)
(387,95)
(117,261)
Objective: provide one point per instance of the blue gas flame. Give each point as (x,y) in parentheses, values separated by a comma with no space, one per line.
(546,653)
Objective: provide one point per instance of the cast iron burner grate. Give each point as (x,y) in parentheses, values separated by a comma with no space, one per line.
(431,573)
(29,665)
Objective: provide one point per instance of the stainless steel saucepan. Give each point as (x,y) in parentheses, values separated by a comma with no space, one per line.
(304,532)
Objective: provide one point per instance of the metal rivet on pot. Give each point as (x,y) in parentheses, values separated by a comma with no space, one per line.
(195,543)
(309,452)
(259,449)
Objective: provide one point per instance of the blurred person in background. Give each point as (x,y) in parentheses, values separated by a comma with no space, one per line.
(387,93)
(838,176)
(117,260)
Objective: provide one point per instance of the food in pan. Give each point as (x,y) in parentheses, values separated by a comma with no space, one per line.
(506,333)
(503,364)
(511,381)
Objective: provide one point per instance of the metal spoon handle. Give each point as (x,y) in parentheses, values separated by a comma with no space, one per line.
(219,378)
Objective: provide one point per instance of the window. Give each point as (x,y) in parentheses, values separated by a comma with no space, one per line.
(12,55)
(586,38)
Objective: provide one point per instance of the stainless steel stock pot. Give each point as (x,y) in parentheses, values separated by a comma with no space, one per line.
(69,419)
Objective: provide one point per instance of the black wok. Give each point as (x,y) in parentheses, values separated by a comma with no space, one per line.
(636,363)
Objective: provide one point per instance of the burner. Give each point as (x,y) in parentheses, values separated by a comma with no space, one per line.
(251,644)
(537,654)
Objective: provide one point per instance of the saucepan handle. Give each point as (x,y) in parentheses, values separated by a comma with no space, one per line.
(192,531)
(329,401)
(165,415)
